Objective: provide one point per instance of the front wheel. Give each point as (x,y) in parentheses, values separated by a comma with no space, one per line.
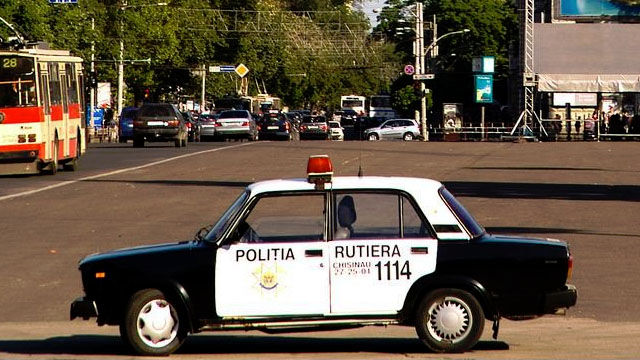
(449,320)
(152,325)
(372,137)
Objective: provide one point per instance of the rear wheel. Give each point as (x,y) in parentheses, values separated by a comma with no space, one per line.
(138,142)
(152,325)
(73,164)
(408,136)
(449,320)
(54,164)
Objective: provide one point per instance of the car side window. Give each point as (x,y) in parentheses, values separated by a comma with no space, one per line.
(361,215)
(366,216)
(284,218)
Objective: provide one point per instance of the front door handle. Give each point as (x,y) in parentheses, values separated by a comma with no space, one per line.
(313,253)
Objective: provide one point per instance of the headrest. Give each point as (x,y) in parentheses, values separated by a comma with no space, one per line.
(346,211)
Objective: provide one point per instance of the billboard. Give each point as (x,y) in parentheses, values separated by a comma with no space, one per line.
(483,88)
(597,8)
(575,99)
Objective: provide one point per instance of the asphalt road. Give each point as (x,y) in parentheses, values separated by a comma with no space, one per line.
(586,193)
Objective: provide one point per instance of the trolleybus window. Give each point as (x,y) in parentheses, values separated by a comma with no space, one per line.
(17,82)
(54,84)
(72,84)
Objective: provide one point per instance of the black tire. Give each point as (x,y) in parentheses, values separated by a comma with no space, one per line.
(408,137)
(147,340)
(449,320)
(372,137)
(178,142)
(54,164)
(138,142)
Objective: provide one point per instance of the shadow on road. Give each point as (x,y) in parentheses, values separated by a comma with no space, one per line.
(240,184)
(225,344)
(508,190)
(542,230)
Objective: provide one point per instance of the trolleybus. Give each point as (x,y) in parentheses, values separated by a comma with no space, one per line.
(41,111)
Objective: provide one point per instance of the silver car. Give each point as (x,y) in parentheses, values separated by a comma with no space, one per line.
(405,129)
(236,124)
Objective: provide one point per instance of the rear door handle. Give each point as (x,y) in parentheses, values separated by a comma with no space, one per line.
(419,250)
(313,253)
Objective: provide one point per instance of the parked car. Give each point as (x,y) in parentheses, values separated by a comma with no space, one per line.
(208,123)
(125,130)
(405,129)
(159,122)
(314,127)
(336,130)
(193,126)
(236,124)
(276,126)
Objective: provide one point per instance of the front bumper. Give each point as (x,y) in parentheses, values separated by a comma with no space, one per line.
(564,298)
(83,308)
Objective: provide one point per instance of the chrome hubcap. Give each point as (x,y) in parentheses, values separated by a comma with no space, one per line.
(449,319)
(157,323)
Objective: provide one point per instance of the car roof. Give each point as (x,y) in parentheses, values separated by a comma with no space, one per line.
(408,184)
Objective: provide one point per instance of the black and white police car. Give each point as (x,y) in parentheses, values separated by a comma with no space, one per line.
(323,252)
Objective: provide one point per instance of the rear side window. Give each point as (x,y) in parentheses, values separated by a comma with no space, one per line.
(156,111)
(360,215)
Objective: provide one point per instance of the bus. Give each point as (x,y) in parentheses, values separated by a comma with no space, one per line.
(264,103)
(353,102)
(380,107)
(41,111)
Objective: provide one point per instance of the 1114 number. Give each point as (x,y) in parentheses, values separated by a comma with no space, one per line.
(393,270)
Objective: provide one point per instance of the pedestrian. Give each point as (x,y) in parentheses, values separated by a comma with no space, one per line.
(578,124)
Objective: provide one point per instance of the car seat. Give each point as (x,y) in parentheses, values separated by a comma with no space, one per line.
(346,218)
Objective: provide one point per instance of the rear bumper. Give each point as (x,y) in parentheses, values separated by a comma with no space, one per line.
(19,162)
(564,298)
(157,134)
(83,308)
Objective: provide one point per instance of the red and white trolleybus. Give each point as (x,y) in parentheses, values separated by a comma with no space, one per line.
(41,111)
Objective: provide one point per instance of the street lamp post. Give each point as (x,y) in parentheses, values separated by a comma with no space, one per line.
(422,54)
(123,7)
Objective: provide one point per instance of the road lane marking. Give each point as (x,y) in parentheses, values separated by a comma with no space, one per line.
(93,177)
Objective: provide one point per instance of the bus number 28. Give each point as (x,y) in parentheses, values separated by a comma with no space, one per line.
(393,270)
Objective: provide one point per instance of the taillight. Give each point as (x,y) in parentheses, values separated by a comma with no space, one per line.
(32,137)
(216,124)
(189,125)
(246,123)
(138,123)
(173,122)
(570,267)
(22,139)
(323,127)
(259,128)
(303,128)
(286,126)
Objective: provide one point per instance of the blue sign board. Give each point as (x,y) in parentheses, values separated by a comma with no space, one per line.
(484,88)
(599,8)
(227,68)
(63,1)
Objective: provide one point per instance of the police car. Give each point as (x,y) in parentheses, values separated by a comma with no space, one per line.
(329,252)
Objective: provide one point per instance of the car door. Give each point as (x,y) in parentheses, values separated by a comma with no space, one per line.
(381,244)
(386,130)
(276,263)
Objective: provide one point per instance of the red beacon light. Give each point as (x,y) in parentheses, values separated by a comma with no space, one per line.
(319,170)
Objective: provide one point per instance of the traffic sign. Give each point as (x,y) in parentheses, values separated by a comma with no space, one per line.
(63,1)
(214,69)
(227,68)
(409,69)
(423,76)
(242,70)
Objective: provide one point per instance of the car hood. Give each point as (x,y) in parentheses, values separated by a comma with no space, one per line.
(137,252)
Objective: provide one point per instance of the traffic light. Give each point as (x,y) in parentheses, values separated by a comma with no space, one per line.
(92,79)
(146,93)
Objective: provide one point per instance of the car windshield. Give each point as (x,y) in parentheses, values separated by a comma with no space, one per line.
(334,125)
(468,221)
(233,114)
(225,220)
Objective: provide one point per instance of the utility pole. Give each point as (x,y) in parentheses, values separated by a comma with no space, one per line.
(92,91)
(419,53)
(121,63)
(204,80)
